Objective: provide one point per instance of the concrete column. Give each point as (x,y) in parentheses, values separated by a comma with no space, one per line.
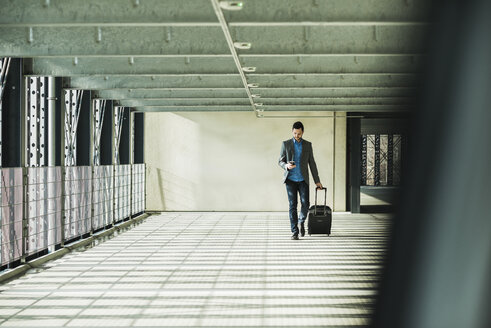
(339,165)
(355,164)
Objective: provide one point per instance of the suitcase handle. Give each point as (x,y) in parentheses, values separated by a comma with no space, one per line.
(325,200)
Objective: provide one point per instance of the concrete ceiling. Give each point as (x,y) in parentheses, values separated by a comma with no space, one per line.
(179,55)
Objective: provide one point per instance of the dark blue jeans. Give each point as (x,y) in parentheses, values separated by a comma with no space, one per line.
(292,188)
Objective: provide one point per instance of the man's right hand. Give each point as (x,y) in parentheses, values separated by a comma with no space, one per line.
(290,166)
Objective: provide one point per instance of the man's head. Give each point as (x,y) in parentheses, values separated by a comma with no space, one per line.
(297,131)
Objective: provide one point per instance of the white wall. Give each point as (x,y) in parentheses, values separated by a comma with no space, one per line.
(228,161)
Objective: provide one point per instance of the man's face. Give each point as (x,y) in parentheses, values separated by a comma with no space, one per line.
(297,134)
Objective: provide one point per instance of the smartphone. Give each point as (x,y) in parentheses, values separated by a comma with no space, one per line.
(292,162)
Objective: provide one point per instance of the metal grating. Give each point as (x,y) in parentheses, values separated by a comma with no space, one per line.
(11,214)
(78,201)
(43,210)
(102,199)
(122,185)
(138,188)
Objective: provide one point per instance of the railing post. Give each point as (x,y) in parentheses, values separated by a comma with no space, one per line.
(92,199)
(24,215)
(63,196)
(131,190)
(114,194)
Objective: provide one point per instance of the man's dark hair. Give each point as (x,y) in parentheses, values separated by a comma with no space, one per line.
(297,125)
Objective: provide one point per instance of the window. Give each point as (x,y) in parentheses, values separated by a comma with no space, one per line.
(381,156)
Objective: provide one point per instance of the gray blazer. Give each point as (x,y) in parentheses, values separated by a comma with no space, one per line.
(287,153)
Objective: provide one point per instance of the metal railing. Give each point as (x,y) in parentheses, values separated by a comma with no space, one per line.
(42,208)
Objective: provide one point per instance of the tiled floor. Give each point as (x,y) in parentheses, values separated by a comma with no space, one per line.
(208,269)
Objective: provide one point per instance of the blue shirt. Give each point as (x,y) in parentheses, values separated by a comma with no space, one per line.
(295,174)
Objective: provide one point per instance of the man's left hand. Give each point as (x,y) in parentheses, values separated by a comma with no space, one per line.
(319,185)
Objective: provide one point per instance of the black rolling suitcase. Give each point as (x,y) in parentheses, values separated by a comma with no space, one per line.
(320,217)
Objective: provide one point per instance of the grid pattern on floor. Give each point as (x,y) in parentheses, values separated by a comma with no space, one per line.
(208,269)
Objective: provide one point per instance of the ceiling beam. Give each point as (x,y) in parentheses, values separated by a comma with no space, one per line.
(333,80)
(334,63)
(111,40)
(330,11)
(171,92)
(342,39)
(154,11)
(266,101)
(233,80)
(280,108)
(155,81)
(264,92)
(185,102)
(105,11)
(224,64)
(209,40)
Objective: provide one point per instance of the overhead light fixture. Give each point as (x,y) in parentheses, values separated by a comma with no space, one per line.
(249,69)
(231,5)
(253,85)
(242,45)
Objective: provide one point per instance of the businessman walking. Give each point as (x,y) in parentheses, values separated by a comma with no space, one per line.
(296,154)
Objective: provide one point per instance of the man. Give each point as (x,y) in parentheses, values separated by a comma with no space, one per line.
(296,154)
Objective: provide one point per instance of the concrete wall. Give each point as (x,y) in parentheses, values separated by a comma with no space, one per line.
(228,161)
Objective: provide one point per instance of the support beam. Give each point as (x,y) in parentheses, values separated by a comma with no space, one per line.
(189,93)
(156,81)
(231,80)
(139,138)
(280,108)
(51,122)
(4,71)
(97,119)
(119,126)
(221,102)
(121,39)
(224,64)
(12,116)
(106,154)
(115,11)
(178,11)
(124,145)
(111,40)
(72,105)
(59,112)
(354,155)
(84,131)
(35,120)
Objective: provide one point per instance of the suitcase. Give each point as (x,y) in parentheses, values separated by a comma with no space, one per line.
(320,217)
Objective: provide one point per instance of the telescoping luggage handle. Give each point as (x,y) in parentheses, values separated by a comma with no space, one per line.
(325,200)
